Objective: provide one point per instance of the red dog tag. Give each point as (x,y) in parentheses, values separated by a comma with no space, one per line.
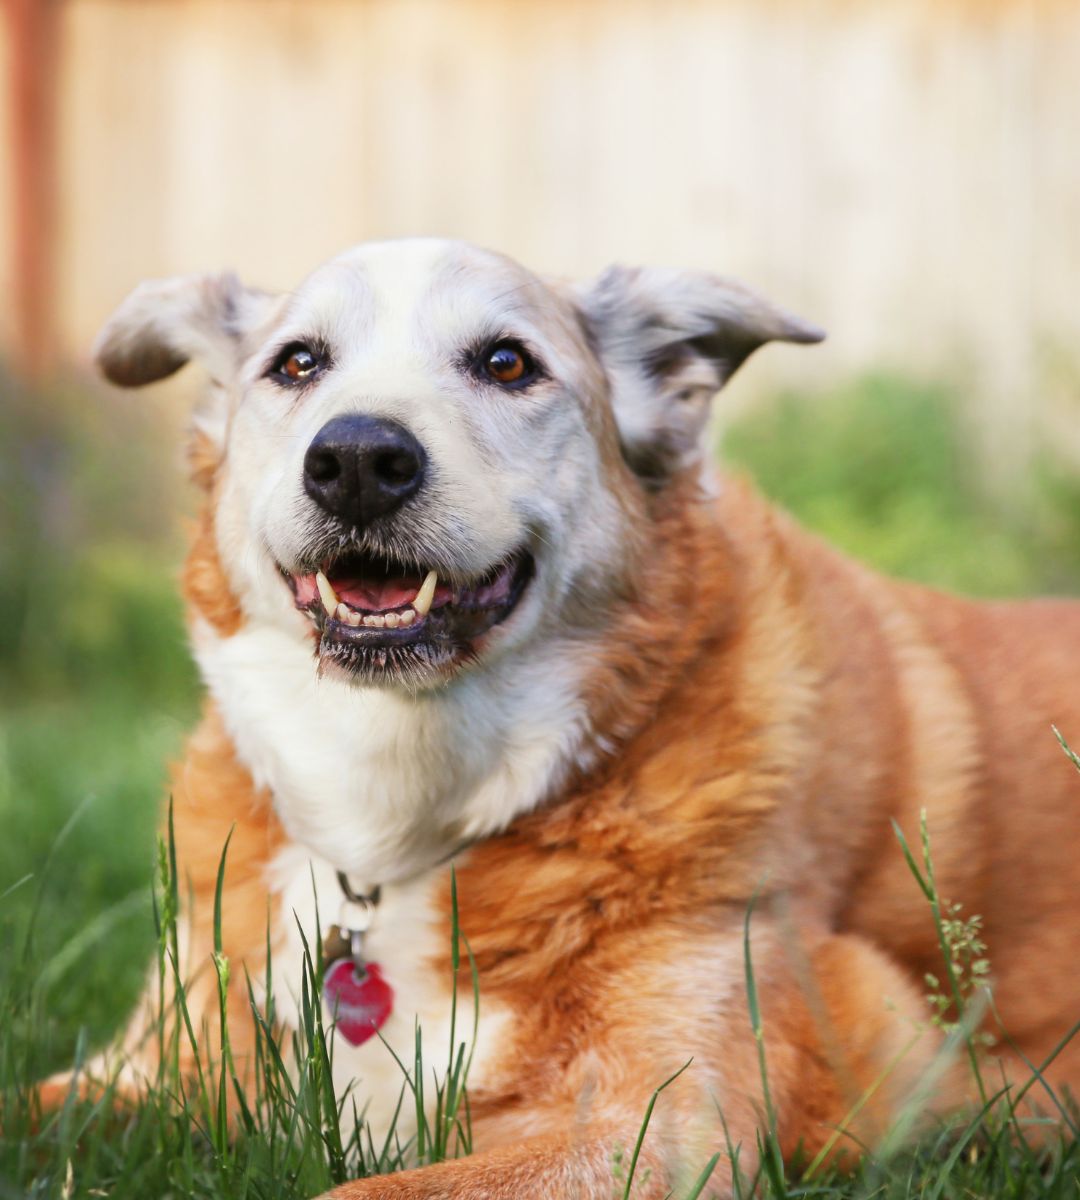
(358,997)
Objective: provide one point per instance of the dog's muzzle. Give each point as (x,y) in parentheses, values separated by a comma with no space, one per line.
(378,615)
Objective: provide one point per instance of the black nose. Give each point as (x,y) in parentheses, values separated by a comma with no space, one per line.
(360,468)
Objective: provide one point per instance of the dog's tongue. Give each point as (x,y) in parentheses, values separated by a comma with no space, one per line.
(376,595)
(367,595)
(372,592)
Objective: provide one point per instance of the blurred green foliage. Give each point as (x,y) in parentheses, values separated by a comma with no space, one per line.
(87,562)
(96,688)
(96,685)
(886,470)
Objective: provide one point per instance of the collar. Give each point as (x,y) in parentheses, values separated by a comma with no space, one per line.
(357,913)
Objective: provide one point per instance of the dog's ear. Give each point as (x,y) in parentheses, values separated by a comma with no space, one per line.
(166,323)
(670,340)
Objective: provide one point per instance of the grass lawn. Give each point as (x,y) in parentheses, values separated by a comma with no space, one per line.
(92,706)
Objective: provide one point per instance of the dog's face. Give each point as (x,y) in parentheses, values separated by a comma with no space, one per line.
(428,455)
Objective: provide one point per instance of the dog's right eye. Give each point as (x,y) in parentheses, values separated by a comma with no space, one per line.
(297,363)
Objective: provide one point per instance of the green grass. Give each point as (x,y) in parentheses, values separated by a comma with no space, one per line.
(96,690)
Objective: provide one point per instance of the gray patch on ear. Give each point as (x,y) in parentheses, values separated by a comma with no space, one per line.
(670,341)
(165,323)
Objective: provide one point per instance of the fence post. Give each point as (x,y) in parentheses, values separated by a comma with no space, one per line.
(33,29)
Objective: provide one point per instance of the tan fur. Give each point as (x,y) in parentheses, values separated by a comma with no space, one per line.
(762,709)
(203,581)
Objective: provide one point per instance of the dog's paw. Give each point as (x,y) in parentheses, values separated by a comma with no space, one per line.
(119,1093)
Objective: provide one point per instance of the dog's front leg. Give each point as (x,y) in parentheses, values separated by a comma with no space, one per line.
(214,802)
(846,1047)
(546,1167)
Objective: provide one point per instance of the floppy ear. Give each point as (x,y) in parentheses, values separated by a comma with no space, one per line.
(670,341)
(165,323)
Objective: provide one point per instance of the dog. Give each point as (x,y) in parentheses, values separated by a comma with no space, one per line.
(471,607)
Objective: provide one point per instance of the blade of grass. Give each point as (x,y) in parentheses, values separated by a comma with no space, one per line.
(774,1159)
(699,1184)
(643,1129)
(929,888)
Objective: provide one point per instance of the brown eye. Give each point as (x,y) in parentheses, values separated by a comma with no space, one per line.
(506,364)
(297,363)
(504,361)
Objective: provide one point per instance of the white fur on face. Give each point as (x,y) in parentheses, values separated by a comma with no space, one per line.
(505,469)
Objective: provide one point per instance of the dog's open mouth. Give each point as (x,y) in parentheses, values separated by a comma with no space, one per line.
(374,615)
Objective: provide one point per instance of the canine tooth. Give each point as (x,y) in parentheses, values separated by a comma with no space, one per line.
(426,594)
(342,611)
(375,621)
(326,593)
(407,617)
(392,619)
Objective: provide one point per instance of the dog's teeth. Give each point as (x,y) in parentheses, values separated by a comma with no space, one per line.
(326,593)
(354,618)
(407,617)
(374,621)
(342,612)
(426,594)
(392,620)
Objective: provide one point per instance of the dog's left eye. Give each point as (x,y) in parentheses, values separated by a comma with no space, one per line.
(509,364)
(297,363)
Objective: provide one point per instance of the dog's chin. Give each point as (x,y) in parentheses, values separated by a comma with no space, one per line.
(379,623)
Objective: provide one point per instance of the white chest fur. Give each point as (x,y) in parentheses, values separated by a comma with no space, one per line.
(380,784)
(384,787)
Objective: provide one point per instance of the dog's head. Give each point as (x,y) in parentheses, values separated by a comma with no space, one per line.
(427,455)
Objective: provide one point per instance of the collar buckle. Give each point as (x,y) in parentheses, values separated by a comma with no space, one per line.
(355,917)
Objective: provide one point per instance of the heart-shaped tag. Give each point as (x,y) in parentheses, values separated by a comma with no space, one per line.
(358,997)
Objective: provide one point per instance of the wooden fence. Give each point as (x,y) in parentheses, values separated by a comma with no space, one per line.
(905,173)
